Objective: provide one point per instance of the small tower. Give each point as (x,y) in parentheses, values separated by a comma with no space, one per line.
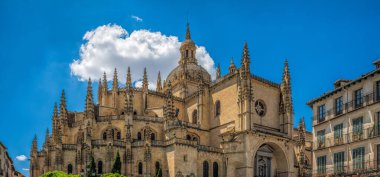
(159,86)
(145,91)
(187,49)
(47,139)
(232,67)
(34,172)
(218,75)
(169,112)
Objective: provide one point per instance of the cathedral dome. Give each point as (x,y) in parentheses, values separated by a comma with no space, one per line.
(189,71)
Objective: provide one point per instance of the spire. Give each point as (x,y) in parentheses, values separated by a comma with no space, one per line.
(188,36)
(105,86)
(115,82)
(63,110)
(100,91)
(128,93)
(89,107)
(245,58)
(218,75)
(47,137)
(55,123)
(159,86)
(286,89)
(34,145)
(145,81)
(129,79)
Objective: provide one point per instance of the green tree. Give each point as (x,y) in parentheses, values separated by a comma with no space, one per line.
(92,167)
(58,174)
(112,175)
(116,168)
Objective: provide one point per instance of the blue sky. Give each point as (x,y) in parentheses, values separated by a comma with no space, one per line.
(323,41)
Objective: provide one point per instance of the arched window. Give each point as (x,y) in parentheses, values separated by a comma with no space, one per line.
(215,170)
(217,108)
(113,133)
(69,169)
(158,169)
(188,137)
(195,139)
(205,169)
(195,117)
(100,167)
(187,53)
(140,168)
(176,112)
(118,135)
(104,135)
(152,136)
(134,112)
(138,136)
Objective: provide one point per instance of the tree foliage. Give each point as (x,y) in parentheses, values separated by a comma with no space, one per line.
(58,174)
(116,168)
(112,175)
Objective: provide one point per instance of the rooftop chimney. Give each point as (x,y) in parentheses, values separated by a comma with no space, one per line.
(341,82)
(377,63)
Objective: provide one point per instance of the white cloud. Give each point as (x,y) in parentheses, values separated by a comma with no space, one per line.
(21,158)
(111,46)
(137,18)
(25,169)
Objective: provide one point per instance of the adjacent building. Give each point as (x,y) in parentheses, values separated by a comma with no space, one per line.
(346,123)
(6,164)
(239,125)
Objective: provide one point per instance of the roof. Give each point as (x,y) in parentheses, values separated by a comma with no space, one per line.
(338,89)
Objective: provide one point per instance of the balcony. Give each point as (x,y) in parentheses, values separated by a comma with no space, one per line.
(368,168)
(351,137)
(347,107)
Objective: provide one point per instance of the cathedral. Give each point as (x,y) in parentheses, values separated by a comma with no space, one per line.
(238,125)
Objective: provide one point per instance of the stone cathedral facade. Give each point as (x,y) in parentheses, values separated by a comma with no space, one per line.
(238,125)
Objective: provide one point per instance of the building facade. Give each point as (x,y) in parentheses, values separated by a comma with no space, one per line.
(346,124)
(7,168)
(237,125)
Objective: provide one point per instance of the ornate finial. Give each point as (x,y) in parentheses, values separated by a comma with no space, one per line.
(232,67)
(159,86)
(145,81)
(129,94)
(89,107)
(47,137)
(218,75)
(188,37)
(115,82)
(169,104)
(245,58)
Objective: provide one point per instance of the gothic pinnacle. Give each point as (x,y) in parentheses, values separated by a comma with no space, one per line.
(159,86)
(63,109)
(145,81)
(105,86)
(218,75)
(129,79)
(55,123)
(115,82)
(89,107)
(245,58)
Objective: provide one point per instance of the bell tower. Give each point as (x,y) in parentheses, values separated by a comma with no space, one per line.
(187,49)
